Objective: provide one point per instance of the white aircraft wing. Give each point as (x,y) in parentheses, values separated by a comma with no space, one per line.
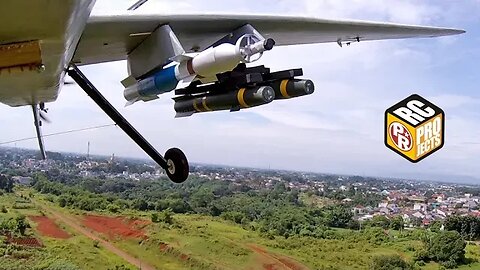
(111,37)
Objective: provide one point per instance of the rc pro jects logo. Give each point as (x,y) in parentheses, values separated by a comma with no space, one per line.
(414,128)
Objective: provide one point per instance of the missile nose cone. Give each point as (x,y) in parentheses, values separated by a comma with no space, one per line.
(268,94)
(268,44)
(309,87)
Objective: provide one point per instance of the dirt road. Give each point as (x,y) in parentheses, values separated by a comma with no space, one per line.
(275,262)
(74,224)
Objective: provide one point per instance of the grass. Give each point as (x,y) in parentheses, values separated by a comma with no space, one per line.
(200,242)
(78,249)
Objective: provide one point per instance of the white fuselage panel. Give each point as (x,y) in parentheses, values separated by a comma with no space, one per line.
(58,25)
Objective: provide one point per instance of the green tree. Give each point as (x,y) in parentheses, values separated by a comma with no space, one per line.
(337,216)
(380,221)
(140,204)
(165,216)
(447,248)
(397,223)
(435,226)
(154,218)
(21,224)
(467,226)
(114,208)
(202,198)
(62,201)
(389,262)
(6,183)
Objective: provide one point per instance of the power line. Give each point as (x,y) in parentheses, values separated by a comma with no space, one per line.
(59,133)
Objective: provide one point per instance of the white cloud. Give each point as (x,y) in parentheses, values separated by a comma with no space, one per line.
(337,129)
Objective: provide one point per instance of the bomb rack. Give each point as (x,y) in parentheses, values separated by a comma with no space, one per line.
(239,89)
(238,78)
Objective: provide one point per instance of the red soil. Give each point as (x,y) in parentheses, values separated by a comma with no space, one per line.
(269,267)
(48,227)
(164,247)
(290,264)
(275,261)
(184,257)
(116,226)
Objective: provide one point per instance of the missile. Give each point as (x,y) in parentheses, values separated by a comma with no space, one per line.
(291,88)
(203,66)
(232,100)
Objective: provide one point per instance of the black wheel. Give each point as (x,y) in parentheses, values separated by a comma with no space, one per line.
(177,164)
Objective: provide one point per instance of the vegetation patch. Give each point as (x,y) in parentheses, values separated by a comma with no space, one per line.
(24,241)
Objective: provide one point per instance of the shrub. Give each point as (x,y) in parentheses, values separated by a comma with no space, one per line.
(113,208)
(165,216)
(155,218)
(96,243)
(447,248)
(62,264)
(389,262)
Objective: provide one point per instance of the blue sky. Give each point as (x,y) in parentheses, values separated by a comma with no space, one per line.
(339,129)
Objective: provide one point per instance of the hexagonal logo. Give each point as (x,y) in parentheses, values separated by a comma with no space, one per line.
(414,128)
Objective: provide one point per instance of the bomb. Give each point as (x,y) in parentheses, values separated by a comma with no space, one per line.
(203,66)
(232,100)
(291,88)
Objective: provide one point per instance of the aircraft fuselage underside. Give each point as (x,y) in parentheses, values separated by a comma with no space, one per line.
(26,78)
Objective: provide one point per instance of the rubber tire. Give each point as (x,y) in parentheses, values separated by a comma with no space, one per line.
(180,162)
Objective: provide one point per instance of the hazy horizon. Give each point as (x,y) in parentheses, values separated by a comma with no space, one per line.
(338,129)
(425,178)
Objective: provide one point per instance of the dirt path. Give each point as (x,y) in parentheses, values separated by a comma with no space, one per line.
(275,262)
(73,223)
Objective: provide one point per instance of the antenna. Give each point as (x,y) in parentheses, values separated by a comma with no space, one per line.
(88,150)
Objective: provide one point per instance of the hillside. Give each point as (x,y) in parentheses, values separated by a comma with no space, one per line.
(75,239)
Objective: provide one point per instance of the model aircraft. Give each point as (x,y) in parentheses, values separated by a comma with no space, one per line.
(202,57)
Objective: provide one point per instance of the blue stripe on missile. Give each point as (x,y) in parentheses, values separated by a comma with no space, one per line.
(161,82)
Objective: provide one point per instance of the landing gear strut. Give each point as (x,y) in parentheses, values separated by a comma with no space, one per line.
(175,163)
(38,128)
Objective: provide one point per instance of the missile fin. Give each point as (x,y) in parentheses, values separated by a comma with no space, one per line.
(129,81)
(183,57)
(186,82)
(183,114)
(145,99)
(235,109)
(130,102)
(149,98)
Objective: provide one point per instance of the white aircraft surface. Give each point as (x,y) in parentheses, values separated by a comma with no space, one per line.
(202,57)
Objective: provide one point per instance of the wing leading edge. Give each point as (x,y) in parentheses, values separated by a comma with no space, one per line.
(111,37)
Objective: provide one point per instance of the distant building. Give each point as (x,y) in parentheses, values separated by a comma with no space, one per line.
(21,180)
(383,205)
(471,205)
(418,215)
(420,207)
